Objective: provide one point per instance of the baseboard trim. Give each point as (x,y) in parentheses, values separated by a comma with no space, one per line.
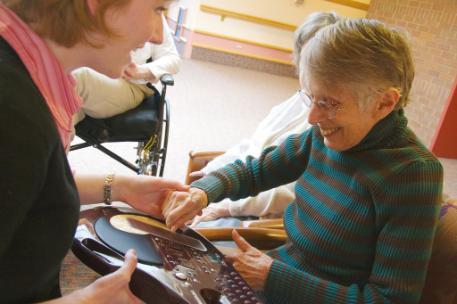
(247,61)
(243,41)
(209,47)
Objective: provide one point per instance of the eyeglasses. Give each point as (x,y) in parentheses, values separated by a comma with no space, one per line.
(329,105)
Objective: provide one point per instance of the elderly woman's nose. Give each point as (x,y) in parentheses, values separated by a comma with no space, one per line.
(316,115)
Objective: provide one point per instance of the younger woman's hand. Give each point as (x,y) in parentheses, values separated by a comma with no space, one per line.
(110,289)
(145,193)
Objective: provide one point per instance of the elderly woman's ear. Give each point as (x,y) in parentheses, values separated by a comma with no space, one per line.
(387,102)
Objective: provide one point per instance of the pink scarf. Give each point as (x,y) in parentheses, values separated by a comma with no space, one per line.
(56,86)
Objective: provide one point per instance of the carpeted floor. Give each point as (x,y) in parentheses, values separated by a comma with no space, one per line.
(75,275)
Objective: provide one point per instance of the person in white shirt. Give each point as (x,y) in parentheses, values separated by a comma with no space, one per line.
(287,118)
(105,97)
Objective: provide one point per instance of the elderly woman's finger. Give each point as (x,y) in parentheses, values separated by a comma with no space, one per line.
(173,201)
(242,244)
(168,203)
(196,221)
(181,222)
(182,212)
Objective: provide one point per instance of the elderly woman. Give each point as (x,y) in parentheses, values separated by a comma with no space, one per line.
(41,42)
(368,192)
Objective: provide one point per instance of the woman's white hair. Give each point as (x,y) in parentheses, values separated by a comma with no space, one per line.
(362,55)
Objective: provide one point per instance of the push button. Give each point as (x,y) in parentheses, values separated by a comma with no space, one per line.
(181,276)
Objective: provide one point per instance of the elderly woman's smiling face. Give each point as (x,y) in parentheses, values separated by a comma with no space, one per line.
(335,110)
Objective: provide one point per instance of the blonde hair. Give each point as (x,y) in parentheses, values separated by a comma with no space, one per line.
(313,23)
(361,54)
(65,22)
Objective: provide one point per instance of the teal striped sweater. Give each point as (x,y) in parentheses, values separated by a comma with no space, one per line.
(362,224)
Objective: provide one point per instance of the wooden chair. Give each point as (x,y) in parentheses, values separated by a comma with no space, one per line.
(441,282)
(198,160)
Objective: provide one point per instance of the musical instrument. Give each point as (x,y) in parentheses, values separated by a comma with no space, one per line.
(179,268)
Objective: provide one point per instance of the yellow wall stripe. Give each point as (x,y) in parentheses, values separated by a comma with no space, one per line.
(241,16)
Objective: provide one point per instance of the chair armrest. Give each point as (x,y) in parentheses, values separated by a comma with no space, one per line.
(261,238)
(167,79)
(441,281)
(198,160)
(277,223)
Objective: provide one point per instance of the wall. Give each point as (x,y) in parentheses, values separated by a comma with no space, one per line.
(444,143)
(281,10)
(192,7)
(285,11)
(432,25)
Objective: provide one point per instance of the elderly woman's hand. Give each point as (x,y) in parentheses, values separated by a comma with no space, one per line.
(181,207)
(251,263)
(196,175)
(212,212)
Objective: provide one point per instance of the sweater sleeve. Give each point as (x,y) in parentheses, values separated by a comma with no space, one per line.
(277,165)
(407,208)
(267,204)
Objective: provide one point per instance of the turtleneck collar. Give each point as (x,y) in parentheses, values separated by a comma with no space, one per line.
(386,133)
